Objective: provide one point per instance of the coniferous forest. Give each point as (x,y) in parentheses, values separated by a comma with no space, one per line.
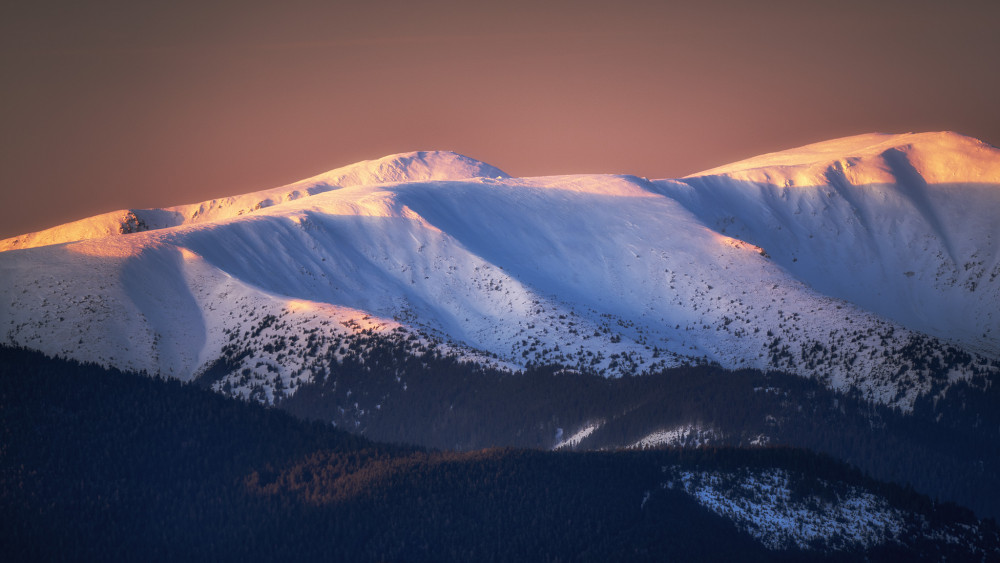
(945,449)
(103,465)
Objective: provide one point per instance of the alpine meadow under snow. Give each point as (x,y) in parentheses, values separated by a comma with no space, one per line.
(868,263)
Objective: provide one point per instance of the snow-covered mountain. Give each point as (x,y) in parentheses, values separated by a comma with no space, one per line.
(409,167)
(903,225)
(869,263)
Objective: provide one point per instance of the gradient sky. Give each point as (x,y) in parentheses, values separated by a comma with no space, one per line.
(113,104)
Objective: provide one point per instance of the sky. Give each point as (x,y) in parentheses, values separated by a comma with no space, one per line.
(114,104)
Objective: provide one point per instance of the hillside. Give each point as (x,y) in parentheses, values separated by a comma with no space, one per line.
(103,465)
(902,225)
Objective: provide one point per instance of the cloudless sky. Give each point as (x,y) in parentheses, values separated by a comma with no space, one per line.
(110,104)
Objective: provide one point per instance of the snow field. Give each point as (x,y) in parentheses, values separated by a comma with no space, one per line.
(747,267)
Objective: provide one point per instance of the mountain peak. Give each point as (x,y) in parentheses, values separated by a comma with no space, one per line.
(938,157)
(417,166)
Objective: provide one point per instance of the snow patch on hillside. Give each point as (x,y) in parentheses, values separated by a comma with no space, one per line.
(784,510)
(574,440)
(687,435)
(762,503)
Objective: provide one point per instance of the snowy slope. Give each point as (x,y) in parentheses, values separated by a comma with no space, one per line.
(614,274)
(770,506)
(902,225)
(408,167)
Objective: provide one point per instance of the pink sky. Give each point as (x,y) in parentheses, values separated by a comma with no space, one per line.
(114,104)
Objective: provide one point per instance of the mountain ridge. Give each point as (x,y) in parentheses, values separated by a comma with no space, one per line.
(979,157)
(607,273)
(401,167)
(935,191)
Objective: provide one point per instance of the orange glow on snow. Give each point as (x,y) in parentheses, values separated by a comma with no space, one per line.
(739,244)
(110,247)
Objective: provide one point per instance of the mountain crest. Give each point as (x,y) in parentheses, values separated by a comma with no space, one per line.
(938,158)
(852,262)
(419,166)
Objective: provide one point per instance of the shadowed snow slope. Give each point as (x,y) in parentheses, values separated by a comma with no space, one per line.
(868,263)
